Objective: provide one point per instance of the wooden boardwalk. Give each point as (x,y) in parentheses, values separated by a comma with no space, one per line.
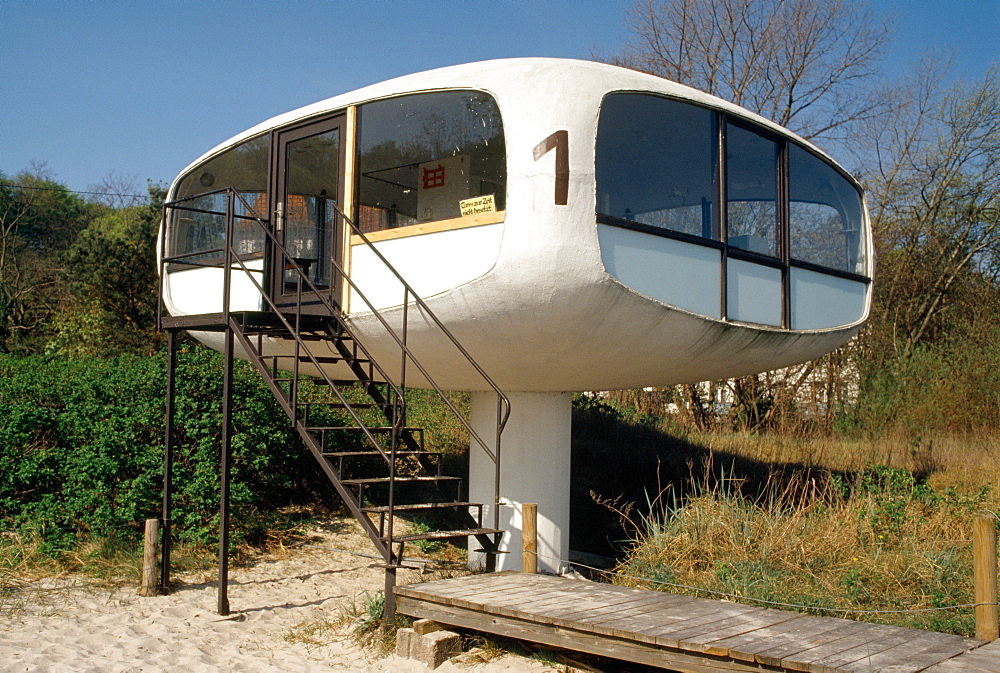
(685,634)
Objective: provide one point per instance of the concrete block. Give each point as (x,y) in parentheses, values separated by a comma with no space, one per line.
(404,638)
(433,648)
(425,626)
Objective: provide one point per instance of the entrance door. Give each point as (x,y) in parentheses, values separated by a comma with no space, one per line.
(308,174)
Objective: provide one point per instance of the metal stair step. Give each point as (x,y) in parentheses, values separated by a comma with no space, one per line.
(444,534)
(317,380)
(322,359)
(381,509)
(354,428)
(373,454)
(401,480)
(341,405)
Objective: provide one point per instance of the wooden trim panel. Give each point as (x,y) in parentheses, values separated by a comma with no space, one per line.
(432,227)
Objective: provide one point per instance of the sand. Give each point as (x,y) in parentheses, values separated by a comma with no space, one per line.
(286,615)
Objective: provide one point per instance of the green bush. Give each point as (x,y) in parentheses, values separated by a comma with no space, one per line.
(81,442)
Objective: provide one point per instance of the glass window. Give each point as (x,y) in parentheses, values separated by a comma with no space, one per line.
(656,163)
(312,186)
(428,157)
(824,214)
(244,168)
(751,191)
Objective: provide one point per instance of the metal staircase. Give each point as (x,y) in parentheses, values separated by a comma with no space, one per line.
(354,423)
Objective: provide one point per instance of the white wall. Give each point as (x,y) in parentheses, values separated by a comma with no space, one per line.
(534,468)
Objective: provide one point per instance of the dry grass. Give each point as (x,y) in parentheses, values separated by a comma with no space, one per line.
(964,461)
(866,539)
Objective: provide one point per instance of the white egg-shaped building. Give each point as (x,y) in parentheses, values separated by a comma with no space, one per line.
(577,226)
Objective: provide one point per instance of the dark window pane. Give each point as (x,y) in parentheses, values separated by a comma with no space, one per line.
(244,168)
(824,214)
(420,155)
(656,163)
(751,191)
(312,187)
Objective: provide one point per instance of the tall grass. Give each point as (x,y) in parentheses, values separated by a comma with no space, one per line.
(884,541)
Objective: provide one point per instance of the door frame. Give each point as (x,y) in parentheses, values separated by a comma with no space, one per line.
(278,179)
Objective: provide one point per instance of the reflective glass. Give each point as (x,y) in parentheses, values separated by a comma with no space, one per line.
(656,163)
(312,186)
(824,214)
(244,168)
(751,191)
(419,156)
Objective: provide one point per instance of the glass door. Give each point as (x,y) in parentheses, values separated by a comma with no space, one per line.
(308,173)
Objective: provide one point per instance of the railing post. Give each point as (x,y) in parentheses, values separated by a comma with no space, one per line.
(224,477)
(227,255)
(496,466)
(529,537)
(168,460)
(984,551)
(150,541)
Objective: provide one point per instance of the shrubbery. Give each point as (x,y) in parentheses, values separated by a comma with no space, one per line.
(81,444)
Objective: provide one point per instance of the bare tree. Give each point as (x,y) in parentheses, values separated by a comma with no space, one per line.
(805,64)
(117,190)
(935,184)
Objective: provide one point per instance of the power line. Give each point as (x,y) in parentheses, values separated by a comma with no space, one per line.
(76,191)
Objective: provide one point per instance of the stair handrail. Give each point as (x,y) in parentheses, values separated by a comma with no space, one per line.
(226,265)
(408,291)
(503,403)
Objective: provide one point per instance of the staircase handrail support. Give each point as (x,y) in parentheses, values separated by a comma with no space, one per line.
(503,403)
(231,256)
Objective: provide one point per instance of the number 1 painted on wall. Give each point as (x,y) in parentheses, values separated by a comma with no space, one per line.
(559,141)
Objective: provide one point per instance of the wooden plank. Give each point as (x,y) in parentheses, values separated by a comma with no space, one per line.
(772,644)
(656,625)
(698,632)
(698,619)
(620,605)
(432,227)
(637,606)
(608,619)
(984,659)
(873,642)
(856,634)
(574,640)
(718,642)
(785,655)
(681,632)
(916,654)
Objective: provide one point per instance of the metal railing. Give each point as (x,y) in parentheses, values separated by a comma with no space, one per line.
(233,261)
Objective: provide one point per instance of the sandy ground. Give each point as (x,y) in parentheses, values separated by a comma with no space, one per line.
(287,615)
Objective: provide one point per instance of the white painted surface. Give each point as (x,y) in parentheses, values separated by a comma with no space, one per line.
(821,301)
(534,467)
(754,293)
(676,273)
(431,263)
(535,304)
(195,291)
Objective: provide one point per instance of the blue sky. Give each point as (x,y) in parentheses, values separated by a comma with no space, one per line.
(143,88)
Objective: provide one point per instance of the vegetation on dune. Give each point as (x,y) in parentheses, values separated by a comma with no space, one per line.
(847,483)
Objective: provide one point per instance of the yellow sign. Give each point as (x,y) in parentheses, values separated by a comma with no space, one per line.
(478,205)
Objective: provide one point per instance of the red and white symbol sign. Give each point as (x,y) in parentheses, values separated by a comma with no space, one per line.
(433,177)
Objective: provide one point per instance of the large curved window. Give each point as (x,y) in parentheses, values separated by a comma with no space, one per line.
(656,163)
(429,157)
(751,191)
(748,225)
(242,167)
(824,214)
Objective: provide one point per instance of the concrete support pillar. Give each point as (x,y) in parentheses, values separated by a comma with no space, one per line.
(534,468)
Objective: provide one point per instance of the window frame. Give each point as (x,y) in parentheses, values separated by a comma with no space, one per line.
(171,224)
(783,260)
(430,226)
